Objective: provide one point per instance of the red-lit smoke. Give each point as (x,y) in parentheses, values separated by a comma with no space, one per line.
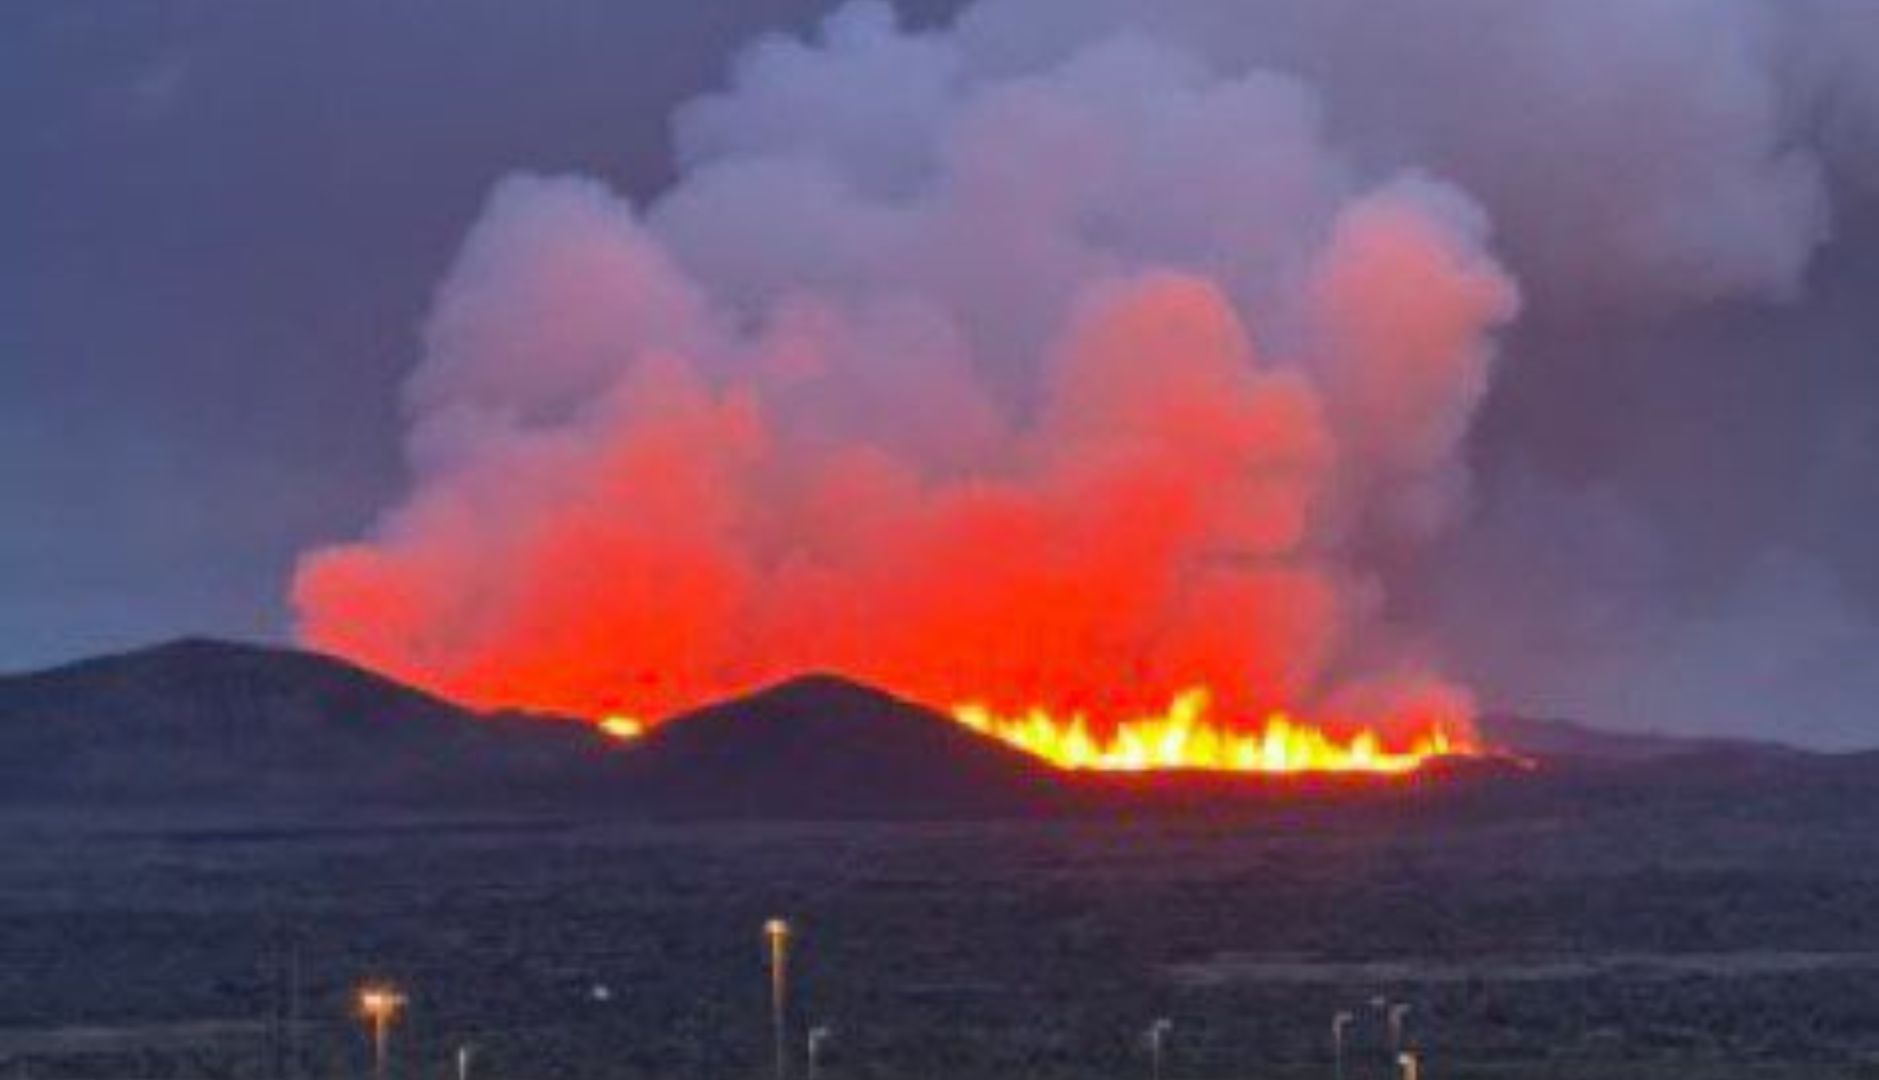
(1074,389)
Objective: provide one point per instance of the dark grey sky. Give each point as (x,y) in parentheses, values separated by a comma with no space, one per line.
(221,222)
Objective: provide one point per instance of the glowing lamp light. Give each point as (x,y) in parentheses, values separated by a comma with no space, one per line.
(380,1003)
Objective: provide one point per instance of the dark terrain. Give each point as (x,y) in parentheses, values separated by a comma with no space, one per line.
(1627,909)
(207,729)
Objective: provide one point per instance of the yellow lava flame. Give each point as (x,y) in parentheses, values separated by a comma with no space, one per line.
(624,728)
(1184,738)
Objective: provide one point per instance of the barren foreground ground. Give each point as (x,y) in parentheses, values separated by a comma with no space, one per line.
(1600,945)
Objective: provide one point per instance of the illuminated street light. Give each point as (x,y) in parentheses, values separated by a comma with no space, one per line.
(379,1005)
(817,1036)
(1408,1068)
(1157,1037)
(1339,1023)
(464,1053)
(1396,1014)
(776,935)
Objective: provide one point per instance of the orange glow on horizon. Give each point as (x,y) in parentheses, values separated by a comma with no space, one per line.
(1184,737)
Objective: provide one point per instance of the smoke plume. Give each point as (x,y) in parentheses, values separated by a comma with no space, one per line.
(1069,354)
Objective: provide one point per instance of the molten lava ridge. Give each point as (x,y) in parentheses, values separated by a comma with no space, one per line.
(1184,737)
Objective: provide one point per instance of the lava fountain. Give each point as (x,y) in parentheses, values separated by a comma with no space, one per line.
(1184,737)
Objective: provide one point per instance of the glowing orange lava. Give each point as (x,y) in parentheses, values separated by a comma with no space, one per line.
(1183,737)
(624,728)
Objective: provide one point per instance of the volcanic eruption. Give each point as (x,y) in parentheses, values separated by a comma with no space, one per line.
(1086,400)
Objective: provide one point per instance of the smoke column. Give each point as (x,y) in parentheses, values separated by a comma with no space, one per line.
(1050,358)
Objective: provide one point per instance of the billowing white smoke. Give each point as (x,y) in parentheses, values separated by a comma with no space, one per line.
(1072,354)
(1634,153)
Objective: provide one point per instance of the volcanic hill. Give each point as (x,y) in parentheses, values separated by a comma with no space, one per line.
(822,746)
(207,730)
(199,727)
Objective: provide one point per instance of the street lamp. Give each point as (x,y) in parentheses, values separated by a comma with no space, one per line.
(776,935)
(379,1005)
(1339,1023)
(1396,1014)
(464,1053)
(817,1036)
(1157,1036)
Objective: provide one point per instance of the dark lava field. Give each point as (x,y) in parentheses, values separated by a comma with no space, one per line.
(1699,940)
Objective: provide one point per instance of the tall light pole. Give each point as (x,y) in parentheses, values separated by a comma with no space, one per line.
(776,935)
(817,1036)
(1382,1005)
(1339,1023)
(1157,1036)
(464,1053)
(1397,1012)
(379,1005)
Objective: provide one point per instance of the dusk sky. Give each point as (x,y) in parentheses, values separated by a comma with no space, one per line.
(226,226)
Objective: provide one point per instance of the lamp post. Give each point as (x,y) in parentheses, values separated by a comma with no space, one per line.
(817,1036)
(1386,1026)
(379,1005)
(1396,1014)
(776,936)
(1157,1037)
(1339,1023)
(464,1053)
